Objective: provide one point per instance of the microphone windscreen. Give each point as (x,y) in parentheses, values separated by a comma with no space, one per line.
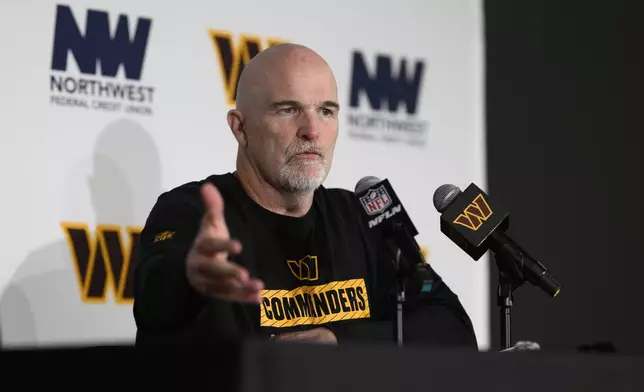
(366,183)
(444,196)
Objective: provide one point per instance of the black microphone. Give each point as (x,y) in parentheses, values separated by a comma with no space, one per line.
(385,215)
(476,224)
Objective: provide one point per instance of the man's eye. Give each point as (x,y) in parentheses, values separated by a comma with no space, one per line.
(327,112)
(288,110)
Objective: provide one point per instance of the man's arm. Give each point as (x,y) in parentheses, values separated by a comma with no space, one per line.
(439,319)
(164,300)
(436,317)
(184,283)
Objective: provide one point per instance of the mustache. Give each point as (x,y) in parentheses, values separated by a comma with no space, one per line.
(304,149)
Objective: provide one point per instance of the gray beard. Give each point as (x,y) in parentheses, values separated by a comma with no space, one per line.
(293,180)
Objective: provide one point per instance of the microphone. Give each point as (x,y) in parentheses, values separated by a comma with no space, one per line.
(386,216)
(476,224)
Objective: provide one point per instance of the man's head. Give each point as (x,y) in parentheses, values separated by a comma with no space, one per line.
(286,120)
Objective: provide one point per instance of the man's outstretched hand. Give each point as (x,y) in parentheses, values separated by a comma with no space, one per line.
(208,269)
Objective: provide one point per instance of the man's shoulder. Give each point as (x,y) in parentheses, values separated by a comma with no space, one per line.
(341,200)
(338,193)
(190,192)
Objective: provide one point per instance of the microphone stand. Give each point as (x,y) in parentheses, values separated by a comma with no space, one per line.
(402,273)
(505,301)
(412,274)
(511,277)
(400,301)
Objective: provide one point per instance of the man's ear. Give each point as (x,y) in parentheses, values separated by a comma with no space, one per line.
(236,124)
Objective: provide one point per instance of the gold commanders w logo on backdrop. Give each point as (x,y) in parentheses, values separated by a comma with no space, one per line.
(104,260)
(234,56)
(475,214)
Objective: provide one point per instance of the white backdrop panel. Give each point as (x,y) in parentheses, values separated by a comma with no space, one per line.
(65,165)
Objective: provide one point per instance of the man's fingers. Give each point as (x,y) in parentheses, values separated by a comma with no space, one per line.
(232,289)
(220,269)
(227,281)
(214,205)
(251,297)
(256,285)
(208,246)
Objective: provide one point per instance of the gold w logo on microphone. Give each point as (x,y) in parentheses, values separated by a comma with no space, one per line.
(475,214)
(305,268)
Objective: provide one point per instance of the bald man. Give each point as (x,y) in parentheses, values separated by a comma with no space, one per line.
(267,251)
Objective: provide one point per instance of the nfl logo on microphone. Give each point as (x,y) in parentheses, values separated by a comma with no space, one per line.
(376,200)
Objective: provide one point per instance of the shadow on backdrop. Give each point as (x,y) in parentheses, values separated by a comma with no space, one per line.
(43,302)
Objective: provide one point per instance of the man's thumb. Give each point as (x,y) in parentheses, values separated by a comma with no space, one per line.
(214,204)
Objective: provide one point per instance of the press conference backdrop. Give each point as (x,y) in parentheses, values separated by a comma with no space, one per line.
(107,104)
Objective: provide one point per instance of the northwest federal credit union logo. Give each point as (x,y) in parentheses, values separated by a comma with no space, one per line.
(103,261)
(99,66)
(475,214)
(233,56)
(390,87)
(305,268)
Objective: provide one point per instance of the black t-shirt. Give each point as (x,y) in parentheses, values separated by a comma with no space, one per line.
(321,269)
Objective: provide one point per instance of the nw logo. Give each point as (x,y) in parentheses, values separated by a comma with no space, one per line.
(103,261)
(99,44)
(385,85)
(475,214)
(304,269)
(233,57)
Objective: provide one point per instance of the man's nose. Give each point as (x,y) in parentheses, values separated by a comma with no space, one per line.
(309,128)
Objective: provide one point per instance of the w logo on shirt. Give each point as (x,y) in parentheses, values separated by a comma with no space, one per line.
(304,269)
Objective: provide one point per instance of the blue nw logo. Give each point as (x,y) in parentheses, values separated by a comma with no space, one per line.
(98,44)
(383,85)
